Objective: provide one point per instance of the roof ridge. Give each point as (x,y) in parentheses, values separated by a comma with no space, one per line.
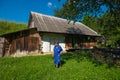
(46,15)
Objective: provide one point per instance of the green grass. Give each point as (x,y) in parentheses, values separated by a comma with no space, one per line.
(8,27)
(74,67)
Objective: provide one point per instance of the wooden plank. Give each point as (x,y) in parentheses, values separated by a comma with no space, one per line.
(2,40)
(1,52)
(1,45)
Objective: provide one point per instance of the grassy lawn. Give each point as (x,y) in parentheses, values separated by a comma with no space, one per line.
(79,66)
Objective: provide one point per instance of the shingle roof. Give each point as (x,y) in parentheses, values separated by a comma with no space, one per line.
(45,23)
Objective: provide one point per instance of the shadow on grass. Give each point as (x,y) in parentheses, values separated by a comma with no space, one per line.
(82,55)
(62,62)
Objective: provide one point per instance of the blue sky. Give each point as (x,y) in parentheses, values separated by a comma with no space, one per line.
(19,10)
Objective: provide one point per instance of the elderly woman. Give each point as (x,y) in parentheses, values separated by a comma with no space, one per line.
(56,54)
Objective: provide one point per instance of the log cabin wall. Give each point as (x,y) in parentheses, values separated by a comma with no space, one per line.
(25,44)
(2,41)
(75,41)
(30,40)
(22,42)
(34,41)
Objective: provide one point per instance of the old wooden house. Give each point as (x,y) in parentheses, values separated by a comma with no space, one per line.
(69,35)
(43,31)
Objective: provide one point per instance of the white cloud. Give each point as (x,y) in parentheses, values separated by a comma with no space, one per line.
(49,4)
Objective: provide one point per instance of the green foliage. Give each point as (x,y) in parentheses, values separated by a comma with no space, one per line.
(106,25)
(7,27)
(75,9)
(110,28)
(75,66)
(91,22)
(108,22)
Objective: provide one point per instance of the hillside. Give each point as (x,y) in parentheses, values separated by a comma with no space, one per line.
(7,27)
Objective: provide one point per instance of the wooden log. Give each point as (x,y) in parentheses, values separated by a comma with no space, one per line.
(2,40)
(1,46)
(1,52)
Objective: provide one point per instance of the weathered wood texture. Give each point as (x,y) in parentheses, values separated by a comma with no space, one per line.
(1,46)
(25,44)
(80,42)
(21,41)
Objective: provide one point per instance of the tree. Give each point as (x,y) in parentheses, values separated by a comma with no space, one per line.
(91,13)
(76,9)
(110,28)
(90,21)
(105,25)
